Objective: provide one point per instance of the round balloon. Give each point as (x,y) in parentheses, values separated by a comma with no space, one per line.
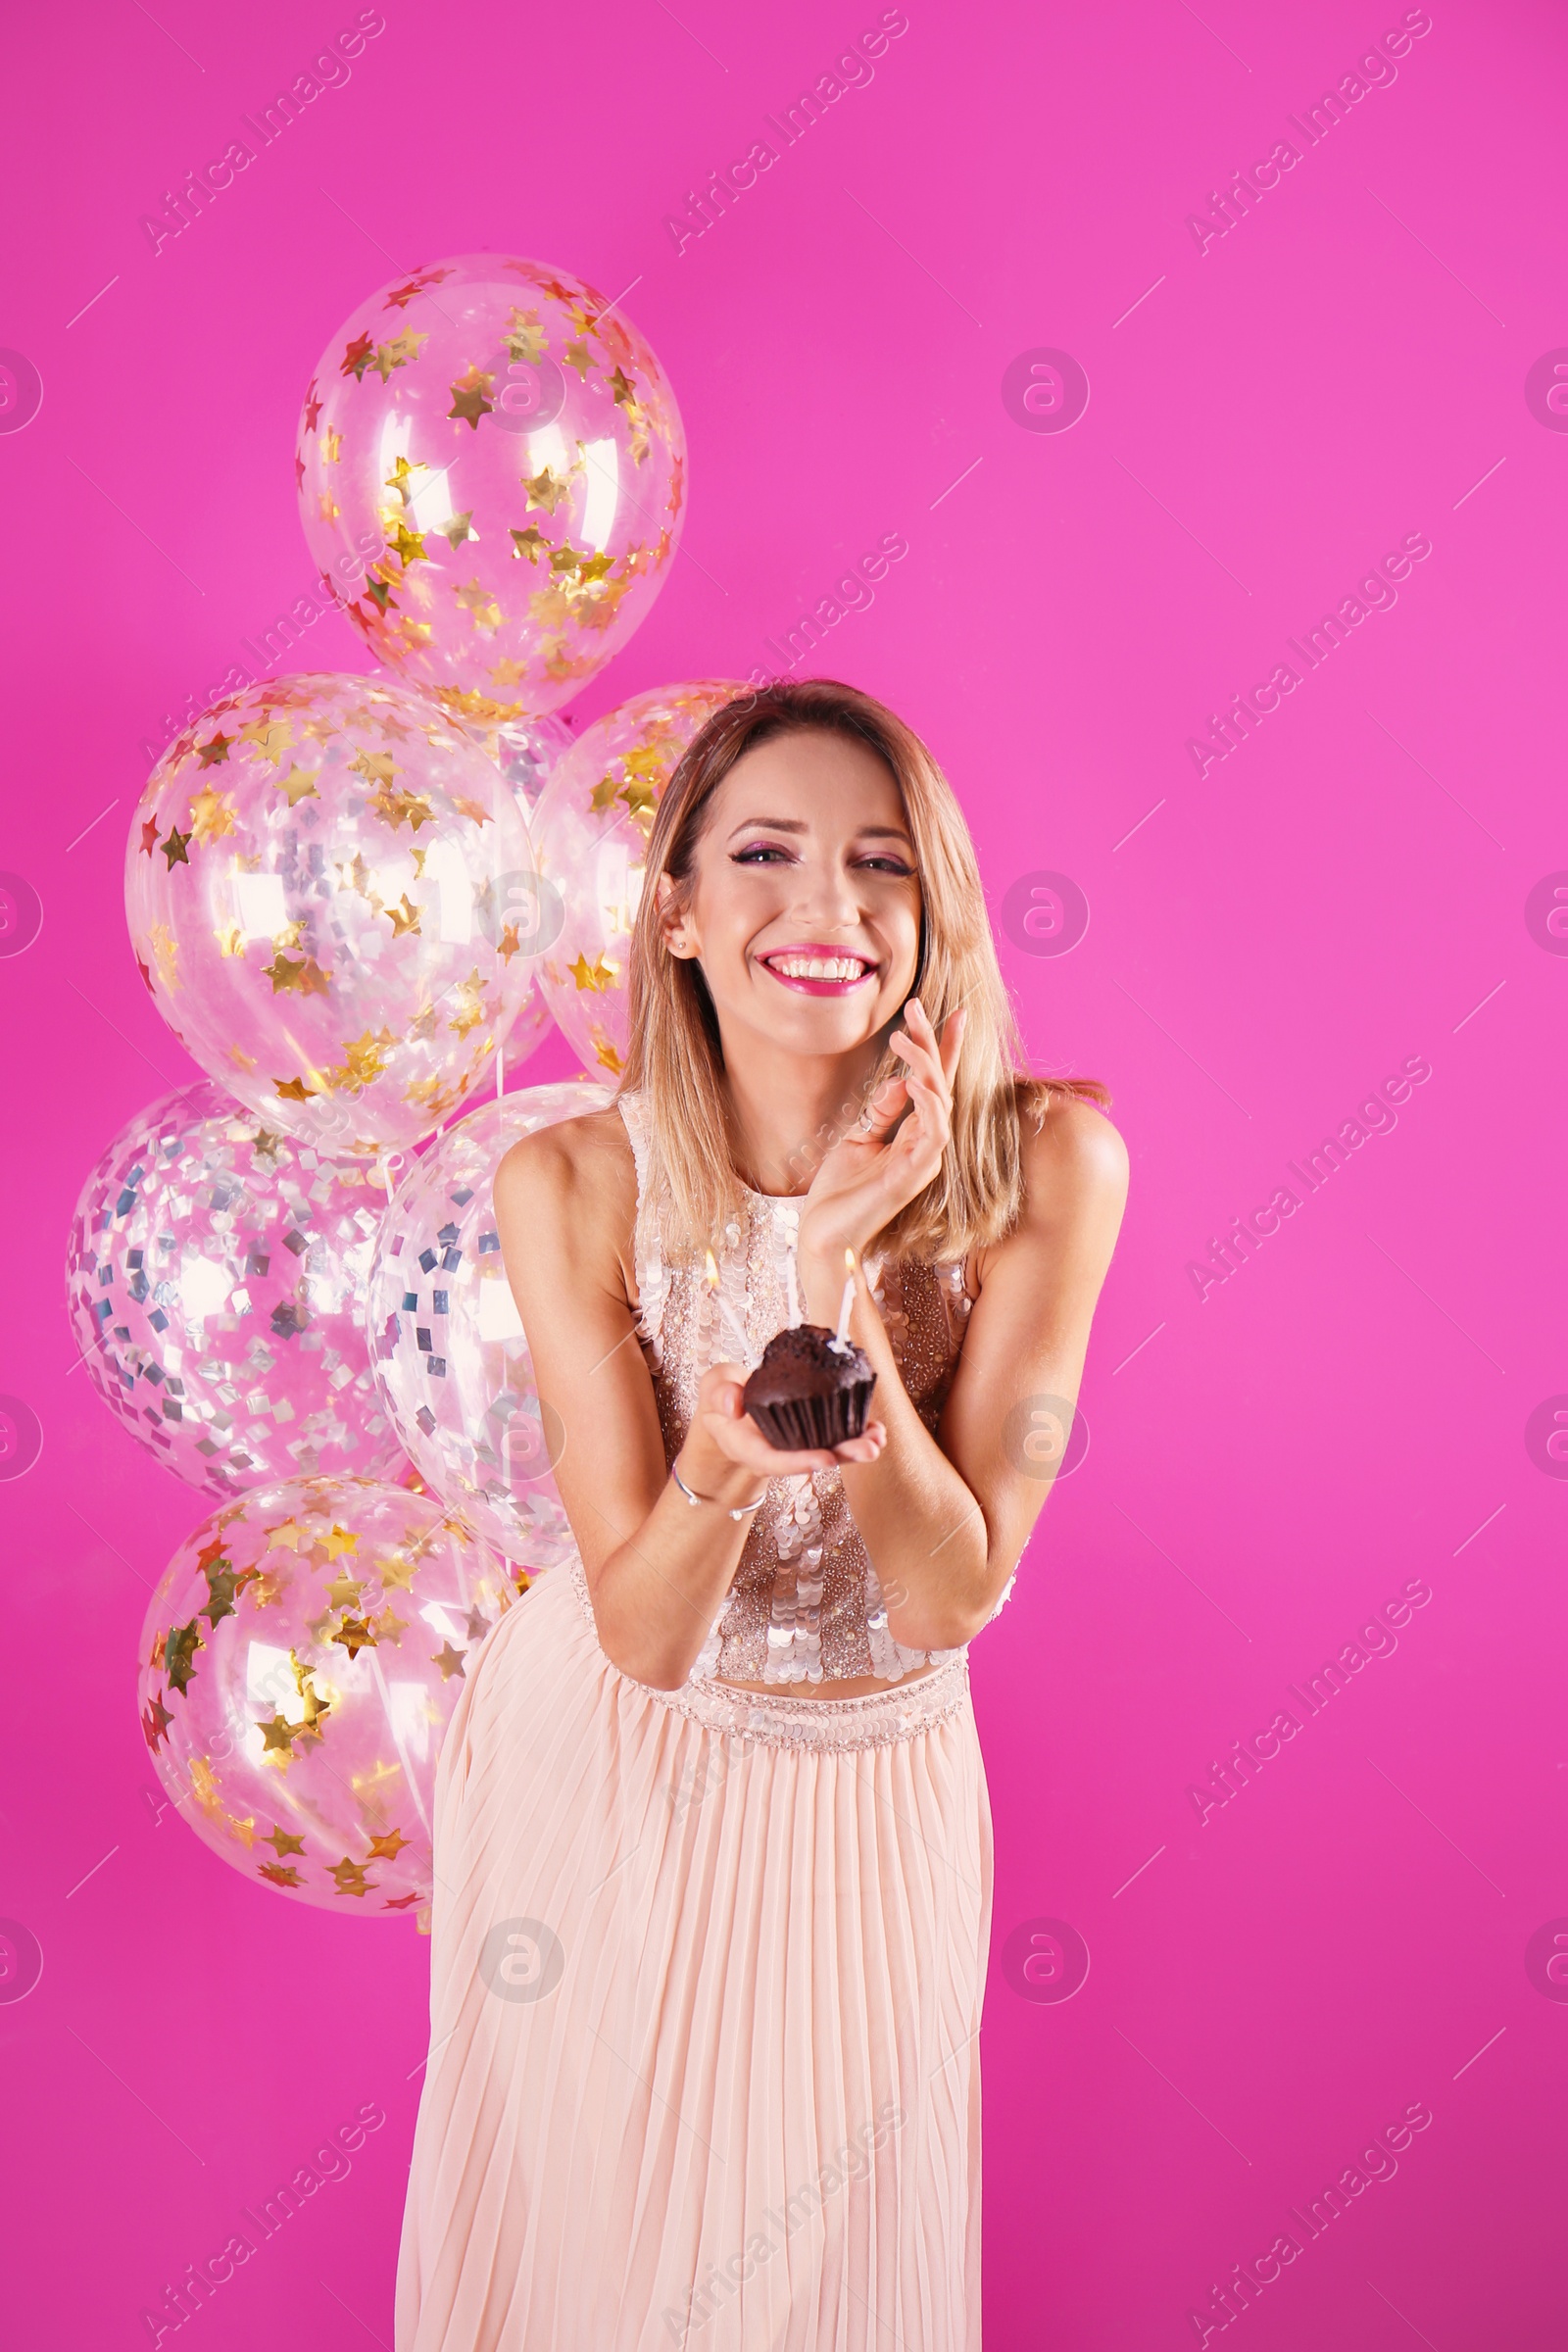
(450,1354)
(299,1662)
(323,882)
(590,835)
(216,1292)
(491,468)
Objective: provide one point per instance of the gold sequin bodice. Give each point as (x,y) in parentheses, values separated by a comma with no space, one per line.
(806,1605)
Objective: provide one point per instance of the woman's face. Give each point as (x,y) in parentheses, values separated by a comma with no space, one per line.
(804,905)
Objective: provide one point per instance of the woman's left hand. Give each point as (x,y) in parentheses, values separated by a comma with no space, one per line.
(872,1173)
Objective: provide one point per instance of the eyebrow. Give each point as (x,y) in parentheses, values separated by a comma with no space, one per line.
(792,824)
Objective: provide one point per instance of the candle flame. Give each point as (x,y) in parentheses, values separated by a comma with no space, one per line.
(849,1262)
(710,1277)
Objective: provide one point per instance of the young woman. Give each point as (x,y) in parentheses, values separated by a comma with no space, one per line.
(713,1857)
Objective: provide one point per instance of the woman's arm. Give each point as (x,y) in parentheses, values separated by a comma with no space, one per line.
(658,1567)
(944,1521)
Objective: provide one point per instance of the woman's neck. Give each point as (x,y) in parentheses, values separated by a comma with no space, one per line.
(779,1104)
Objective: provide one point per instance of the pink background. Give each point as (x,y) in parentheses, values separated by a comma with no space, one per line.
(1278,1981)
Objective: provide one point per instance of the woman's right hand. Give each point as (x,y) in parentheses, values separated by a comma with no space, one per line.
(724,1443)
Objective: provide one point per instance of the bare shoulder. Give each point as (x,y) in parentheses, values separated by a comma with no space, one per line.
(574,1182)
(1074,1190)
(1074,1160)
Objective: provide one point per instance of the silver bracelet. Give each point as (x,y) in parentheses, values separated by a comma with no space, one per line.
(745,1511)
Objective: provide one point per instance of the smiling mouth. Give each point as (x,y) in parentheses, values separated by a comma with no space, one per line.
(818,970)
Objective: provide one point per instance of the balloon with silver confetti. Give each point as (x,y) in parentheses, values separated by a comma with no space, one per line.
(330,892)
(590,833)
(299,1662)
(216,1286)
(446,1341)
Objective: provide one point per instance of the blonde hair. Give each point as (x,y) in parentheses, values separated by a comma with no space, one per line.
(674,1058)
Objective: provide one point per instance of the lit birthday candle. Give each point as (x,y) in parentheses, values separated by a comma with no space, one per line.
(841,1338)
(743,1345)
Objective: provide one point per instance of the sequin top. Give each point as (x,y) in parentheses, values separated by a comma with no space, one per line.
(805,1604)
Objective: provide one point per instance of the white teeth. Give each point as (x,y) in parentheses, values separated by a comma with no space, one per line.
(816,968)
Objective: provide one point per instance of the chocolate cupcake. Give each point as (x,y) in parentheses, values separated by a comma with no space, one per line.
(806,1393)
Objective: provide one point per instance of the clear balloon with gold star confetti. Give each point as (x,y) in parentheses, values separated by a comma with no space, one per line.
(333,897)
(299,1662)
(450,1354)
(591,832)
(491,474)
(216,1286)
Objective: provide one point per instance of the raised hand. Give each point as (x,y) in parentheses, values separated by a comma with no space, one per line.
(889,1158)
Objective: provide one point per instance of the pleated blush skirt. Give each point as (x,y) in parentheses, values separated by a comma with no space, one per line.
(706,1971)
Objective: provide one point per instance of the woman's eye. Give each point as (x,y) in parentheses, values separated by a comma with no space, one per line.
(768,853)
